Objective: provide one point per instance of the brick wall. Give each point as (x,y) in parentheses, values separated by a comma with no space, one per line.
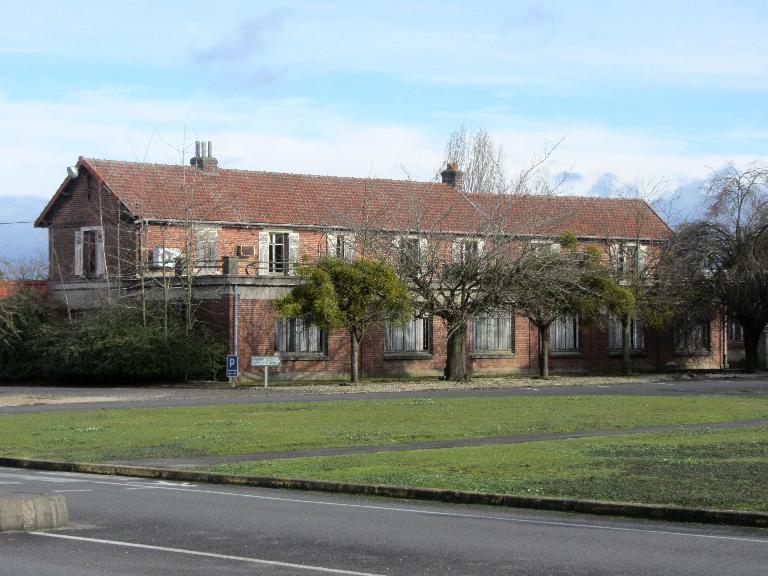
(85,202)
(10,287)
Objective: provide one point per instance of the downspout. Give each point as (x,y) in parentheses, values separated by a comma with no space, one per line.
(234,323)
(724,364)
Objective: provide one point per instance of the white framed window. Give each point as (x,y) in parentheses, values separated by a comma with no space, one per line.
(341,246)
(540,246)
(412,251)
(692,339)
(564,334)
(615,336)
(205,257)
(467,250)
(413,336)
(278,252)
(493,333)
(627,257)
(89,252)
(297,335)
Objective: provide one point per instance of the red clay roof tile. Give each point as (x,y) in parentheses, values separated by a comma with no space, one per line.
(174,192)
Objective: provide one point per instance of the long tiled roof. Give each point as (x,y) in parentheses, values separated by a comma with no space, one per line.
(174,192)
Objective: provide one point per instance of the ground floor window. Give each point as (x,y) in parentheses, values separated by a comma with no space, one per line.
(564,334)
(636,334)
(692,338)
(493,333)
(296,335)
(735,331)
(413,336)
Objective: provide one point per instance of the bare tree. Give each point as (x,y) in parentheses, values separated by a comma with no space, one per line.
(722,260)
(480,158)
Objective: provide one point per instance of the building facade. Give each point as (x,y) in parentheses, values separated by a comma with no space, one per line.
(234,238)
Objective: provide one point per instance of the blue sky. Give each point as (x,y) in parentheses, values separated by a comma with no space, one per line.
(655,94)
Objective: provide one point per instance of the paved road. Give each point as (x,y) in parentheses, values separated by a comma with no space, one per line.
(165,396)
(130,527)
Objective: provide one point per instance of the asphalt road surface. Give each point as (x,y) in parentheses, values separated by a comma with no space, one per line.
(134,526)
(155,397)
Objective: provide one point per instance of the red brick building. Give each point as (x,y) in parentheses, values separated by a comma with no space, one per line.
(115,226)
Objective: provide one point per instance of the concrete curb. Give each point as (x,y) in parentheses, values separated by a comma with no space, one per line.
(32,512)
(632,510)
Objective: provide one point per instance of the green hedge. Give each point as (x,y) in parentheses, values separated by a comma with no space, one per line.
(112,343)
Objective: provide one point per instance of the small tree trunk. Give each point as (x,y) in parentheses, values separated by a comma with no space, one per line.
(456,360)
(626,345)
(354,364)
(544,351)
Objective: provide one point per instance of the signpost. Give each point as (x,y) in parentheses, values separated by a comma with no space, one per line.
(265,361)
(232,367)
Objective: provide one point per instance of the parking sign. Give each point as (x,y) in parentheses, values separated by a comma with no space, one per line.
(231,365)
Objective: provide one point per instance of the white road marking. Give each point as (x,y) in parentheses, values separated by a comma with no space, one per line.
(133,484)
(8,482)
(39,478)
(73,490)
(474,516)
(208,554)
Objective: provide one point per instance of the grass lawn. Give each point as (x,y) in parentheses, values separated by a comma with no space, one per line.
(725,469)
(236,429)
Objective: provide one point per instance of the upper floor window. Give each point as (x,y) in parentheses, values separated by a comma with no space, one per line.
(341,246)
(564,334)
(413,336)
(277,252)
(627,257)
(615,334)
(493,333)
(89,252)
(467,250)
(296,335)
(206,248)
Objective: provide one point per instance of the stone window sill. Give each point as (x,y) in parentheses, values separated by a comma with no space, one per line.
(565,354)
(407,355)
(493,354)
(292,356)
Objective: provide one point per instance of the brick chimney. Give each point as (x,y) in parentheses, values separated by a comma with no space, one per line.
(452,175)
(203,158)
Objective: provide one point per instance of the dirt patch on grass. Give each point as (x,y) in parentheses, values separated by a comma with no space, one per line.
(36,399)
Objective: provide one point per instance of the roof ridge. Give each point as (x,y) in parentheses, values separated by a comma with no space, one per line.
(273,172)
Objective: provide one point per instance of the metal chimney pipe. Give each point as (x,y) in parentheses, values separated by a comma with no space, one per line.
(197,148)
(210,149)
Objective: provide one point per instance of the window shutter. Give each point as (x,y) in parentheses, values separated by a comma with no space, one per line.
(293,251)
(331,244)
(263,252)
(456,251)
(641,257)
(422,250)
(78,267)
(481,247)
(613,256)
(349,248)
(100,252)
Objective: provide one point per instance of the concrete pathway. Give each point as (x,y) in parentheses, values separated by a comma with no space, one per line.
(430,445)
